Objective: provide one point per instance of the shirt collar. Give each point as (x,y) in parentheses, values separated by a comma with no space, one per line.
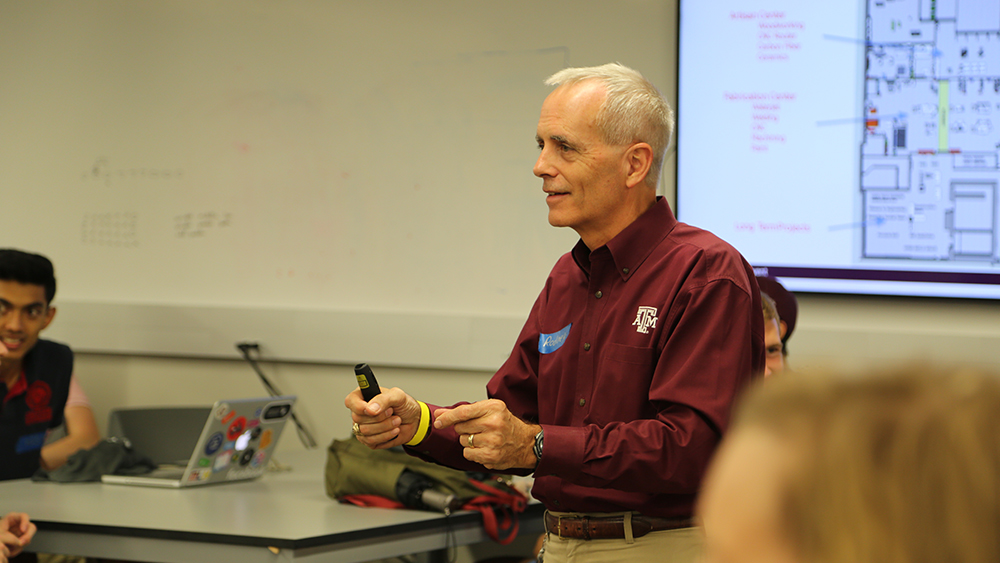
(630,247)
(20,386)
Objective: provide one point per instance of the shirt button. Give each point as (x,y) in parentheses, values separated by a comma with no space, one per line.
(624,270)
(586,346)
(583,402)
(599,294)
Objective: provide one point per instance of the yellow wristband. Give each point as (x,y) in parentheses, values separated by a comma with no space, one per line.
(423,426)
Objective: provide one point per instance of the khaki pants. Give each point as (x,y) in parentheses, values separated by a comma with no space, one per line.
(683,545)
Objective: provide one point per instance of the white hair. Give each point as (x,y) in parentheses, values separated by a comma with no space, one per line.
(633,110)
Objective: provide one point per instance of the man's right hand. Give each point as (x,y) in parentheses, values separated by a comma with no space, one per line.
(390,419)
(16,531)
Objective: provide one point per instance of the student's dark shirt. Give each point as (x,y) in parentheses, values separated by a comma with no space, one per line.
(32,406)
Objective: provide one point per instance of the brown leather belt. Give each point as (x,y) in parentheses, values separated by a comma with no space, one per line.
(609,527)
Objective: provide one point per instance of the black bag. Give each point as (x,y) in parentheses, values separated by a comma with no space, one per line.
(391,478)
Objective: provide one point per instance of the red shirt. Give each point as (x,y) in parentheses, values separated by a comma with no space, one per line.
(630,360)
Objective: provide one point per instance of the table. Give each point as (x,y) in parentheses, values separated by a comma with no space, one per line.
(284,516)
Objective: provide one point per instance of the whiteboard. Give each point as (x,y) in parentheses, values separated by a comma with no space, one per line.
(328,178)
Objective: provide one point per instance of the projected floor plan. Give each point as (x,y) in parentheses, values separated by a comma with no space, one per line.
(930,161)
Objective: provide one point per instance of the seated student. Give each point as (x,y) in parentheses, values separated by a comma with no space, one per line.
(16,531)
(773,348)
(899,467)
(36,376)
(787,306)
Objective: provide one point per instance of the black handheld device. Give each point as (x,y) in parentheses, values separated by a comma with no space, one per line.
(366,381)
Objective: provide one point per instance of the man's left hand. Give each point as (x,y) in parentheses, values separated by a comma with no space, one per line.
(491,434)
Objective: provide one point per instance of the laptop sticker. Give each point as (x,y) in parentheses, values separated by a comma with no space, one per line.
(246,456)
(214,443)
(222,461)
(237,428)
(258,459)
(265,439)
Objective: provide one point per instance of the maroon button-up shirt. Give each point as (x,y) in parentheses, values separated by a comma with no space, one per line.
(630,360)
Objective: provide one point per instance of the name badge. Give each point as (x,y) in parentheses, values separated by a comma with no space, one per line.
(548,343)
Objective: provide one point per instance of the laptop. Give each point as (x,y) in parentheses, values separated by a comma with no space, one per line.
(237,440)
(143,429)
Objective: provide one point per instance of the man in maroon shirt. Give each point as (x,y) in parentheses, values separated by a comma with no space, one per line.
(620,384)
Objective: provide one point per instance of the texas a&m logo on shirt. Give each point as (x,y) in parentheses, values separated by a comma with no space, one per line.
(645,319)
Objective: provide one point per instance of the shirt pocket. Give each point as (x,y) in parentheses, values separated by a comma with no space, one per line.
(633,355)
(621,392)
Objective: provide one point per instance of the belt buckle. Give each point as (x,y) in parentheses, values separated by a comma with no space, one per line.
(559,526)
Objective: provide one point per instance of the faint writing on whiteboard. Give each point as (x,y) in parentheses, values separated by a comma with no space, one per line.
(116,229)
(102,171)
(197,225)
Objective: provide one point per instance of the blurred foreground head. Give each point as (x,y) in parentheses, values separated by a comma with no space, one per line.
(900,466)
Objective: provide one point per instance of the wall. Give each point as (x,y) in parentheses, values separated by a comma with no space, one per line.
(857,333)
(332,179)
(340,181)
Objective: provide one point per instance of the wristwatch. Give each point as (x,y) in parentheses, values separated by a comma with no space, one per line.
(538,444)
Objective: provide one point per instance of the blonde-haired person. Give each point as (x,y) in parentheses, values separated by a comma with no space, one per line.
(773,347)
(894,467)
